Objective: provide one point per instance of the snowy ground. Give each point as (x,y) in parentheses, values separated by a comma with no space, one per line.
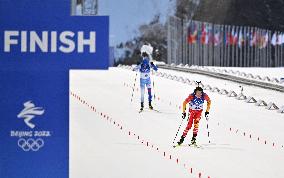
(105,146)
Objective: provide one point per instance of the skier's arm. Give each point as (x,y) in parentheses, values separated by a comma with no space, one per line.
(206,97)
(154,66)
(136,68)
(187,100)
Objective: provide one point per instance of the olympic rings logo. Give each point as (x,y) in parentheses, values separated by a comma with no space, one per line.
(30,144)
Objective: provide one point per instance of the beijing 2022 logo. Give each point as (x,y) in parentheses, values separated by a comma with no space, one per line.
(30,139)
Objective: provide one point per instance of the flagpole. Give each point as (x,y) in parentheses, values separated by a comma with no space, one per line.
(270,51)
(240,44)
(237,48)
(193,45)
(263,50)
(210,60)
(260,47)
(197,44)
(230,47)
(227,60)
(245,47)
(266,48)
(282,57)
(192,52)
(248,46)
(233,47)
(221,45)
(251,47)
(276,51)
(227,47)
(279,50)
(257,48)
(190,58)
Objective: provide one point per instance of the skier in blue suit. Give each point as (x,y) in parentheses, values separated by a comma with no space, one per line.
(144,68)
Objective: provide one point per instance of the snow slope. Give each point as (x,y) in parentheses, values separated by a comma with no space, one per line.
(103,121)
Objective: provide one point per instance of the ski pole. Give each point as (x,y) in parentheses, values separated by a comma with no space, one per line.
(133,88)
(154,92)
(178,130)
(208,133)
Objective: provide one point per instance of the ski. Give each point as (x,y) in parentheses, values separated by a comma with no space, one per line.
(176,145)
(194,146)
(149,110)
(155,110)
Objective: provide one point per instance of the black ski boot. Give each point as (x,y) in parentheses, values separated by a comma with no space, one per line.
(193,140)
(150,105)
(142,106)
(181,140)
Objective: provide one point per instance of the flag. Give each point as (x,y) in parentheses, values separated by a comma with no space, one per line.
(235,38)
(210,35)
(231,36)
(259,39)
(189,33)
(228,36)
(265,40)
(282,38)
(199,35)
(279,39)
(192,33)
(252,37)
(216,37)
(273,39)
(241,38)
(225,35)
(203,33)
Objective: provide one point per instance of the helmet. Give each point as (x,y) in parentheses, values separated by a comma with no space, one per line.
(148,49)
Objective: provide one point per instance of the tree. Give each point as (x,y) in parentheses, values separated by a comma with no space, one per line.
(154,33)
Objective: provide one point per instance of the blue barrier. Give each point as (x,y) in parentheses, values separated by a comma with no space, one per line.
(40,43)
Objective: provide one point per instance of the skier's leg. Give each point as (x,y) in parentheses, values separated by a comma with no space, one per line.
(189,124)
(142,90)
(196,126)
(148,85)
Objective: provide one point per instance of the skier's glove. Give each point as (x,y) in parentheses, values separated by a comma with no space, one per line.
(206,115)
(183,115)
(152,63)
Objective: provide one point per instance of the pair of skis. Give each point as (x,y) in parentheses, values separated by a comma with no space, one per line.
(141,110)
(190,145)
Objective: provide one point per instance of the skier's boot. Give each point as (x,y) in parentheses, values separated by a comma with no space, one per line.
(193,140)
(150,105)
(142,106)
(181,140)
